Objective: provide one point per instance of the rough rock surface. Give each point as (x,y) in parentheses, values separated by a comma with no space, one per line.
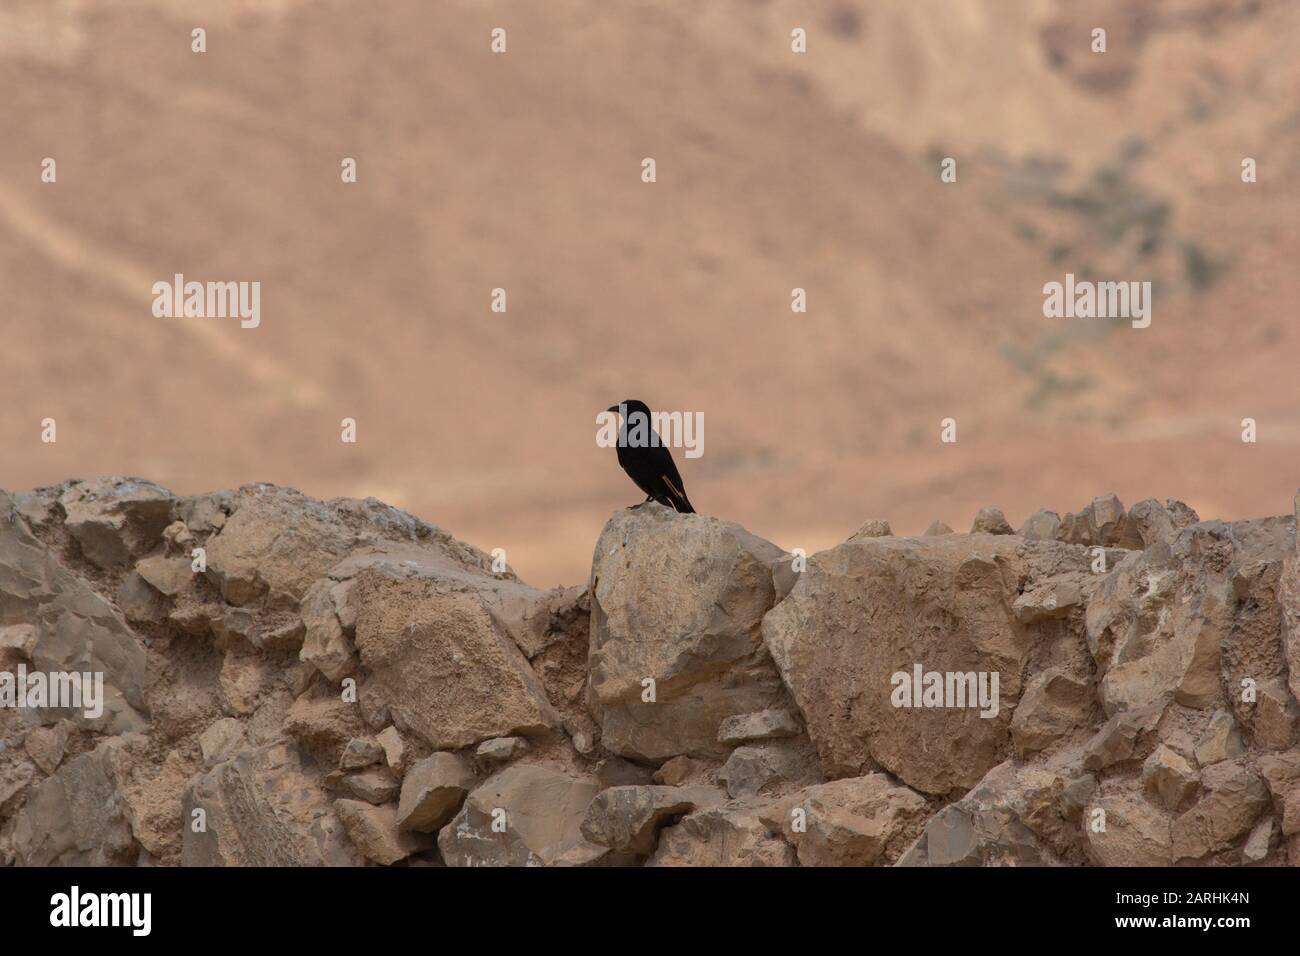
(375,833)
(769,767)
(874,528)
(432,792)
(990,521)
(1129,831)
(261,808)
(763,725)
(676,646)
(720,836)
(526,815)
(76,629)
(440,664)
(873,608)
(76,817)
(856,821)
(1018,815)
(629,818)
(296,682)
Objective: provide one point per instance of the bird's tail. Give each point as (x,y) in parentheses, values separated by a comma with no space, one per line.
(677,497)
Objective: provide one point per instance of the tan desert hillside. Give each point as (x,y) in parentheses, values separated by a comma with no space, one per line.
(775,170)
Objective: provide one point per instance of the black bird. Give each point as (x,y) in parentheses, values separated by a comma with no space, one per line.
(649,463)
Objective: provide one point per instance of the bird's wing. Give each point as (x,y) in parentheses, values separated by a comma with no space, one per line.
(671,478)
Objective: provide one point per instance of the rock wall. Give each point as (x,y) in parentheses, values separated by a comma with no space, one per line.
(295,682)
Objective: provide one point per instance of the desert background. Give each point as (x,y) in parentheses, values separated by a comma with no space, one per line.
(775,171)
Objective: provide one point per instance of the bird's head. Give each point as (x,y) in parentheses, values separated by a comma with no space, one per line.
(630,405)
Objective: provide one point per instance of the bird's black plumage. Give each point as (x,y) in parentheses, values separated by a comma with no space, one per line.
(645,458)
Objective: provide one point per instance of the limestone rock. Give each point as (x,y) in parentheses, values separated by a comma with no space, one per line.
(680,770)
(1281,773)
(629,818)
(1187,620)
(1182,515)
(770,767)
(762,725)
(151,790)
(139,602)
(115,519)
(277,541)
(1133,832)
(325,646)
(1291,813)
(689,705)
(1054,704)
(1054,598)
(1289,598)
(1109,524)
(1076,529)
(178,535)
(583,741)
(1042,525)
(785,575)
(1275,716)
(375,785)
(246,678)
(873,608)
(719,836)
(322,723)
(1185,667)
(433,791)
(262,807)
(442,666)
(1260,841)
(77,816)
(526,815)
(375,833)
(76,629)
(990,520)
(1126,736)
(395,753)
(221,740)
(1221,740)
(38,507)
(168,576)
(1152,522)
(46,745)
(493,753)
(361,752)
(617,772)
(856,821)
(1232,798)
(1169,777)
(19,639)
(1015,816)
(205,513)
(873,528)
(15,780)
(676,607)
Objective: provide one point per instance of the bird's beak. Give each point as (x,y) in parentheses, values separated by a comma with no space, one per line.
(612,408)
